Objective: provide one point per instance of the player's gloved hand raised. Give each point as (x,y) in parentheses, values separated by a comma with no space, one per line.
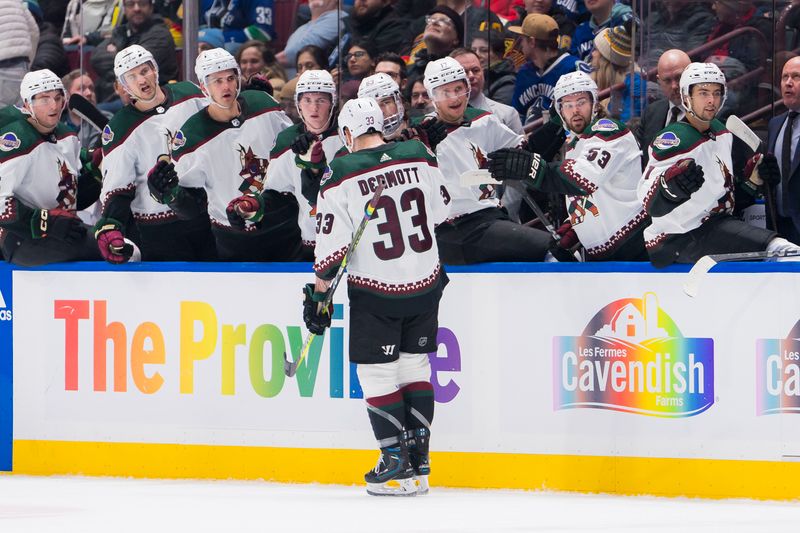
(514,164)
(309,153)
(680,180)
(431,131)
(761,169)
(58,224)
(258,82)
(246,207)
(111,243)
(316,322)
(162,181)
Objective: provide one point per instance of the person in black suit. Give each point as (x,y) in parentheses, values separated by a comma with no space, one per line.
(785,147)
(667,110)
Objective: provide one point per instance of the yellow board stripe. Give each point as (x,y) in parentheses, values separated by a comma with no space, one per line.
(706,478)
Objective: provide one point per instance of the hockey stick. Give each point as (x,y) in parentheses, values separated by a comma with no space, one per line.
(707,262)
(289,367)
(472,178)
(737,127)
(87,111)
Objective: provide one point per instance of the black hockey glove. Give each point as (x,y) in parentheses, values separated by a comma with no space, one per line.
(316,322)
(57,224)
(313,158)
(761,169)
(258,82)
(431,131)
(302,142)
(162,181)
(680,180)
(515,164)
(246,207)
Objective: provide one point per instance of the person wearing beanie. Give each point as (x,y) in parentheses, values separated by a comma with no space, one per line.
(545,64)
(605,14)
(444,32)
(611,65)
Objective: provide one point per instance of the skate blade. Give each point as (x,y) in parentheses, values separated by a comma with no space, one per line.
(422,485)
(394,487)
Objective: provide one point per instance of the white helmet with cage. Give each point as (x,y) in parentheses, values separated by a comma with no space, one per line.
(212,61)
(315,81)
(359,116)
(130,58)
(696,74)
(573,83)
(441,72)
(39,81)
(379,87)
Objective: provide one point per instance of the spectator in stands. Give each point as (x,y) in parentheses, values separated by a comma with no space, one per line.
(444,32)
(473,19)
(77,83)
(499,72)
(142,28)
(376,22)
(50,53)
(311,58)
(413,9)
(286,99)
(242,20)
(88,22)
(536,79)
(680,24)
(208,38)
(418,97)
(391,64)
(472,67)
(322,30)
(255,57)
(605,14)
(611,65)
(20,36)
(566,25)
(749,48)
(359,63)
(668,109)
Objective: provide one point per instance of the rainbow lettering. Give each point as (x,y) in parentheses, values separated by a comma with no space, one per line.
(205,340)
(632,357)
(778,374)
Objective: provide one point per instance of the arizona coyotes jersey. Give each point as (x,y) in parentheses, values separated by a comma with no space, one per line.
(710,150)
(283,175)
(395,268)
(37,171)
(132,142)
(604,161)
(228,159)
(466,147)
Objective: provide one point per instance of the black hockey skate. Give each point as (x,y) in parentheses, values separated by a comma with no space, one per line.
(393,475)
(418,445)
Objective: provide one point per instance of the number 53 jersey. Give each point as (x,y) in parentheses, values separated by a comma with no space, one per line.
(395,269)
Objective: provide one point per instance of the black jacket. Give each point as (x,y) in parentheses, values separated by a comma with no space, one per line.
(386,31)
(500,80)
(50,52)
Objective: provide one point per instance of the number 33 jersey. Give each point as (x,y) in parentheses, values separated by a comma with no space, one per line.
(395,268)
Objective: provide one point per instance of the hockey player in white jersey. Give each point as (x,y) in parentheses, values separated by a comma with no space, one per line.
(223,150)
(396,126)
(395,282)
(688,186)
(299,157)
(136,138)
(39,180)
(599,175)
(479,229)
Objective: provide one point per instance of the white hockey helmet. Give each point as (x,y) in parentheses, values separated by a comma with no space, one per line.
(573,83)
(380,86)
(441,72)
(39,81)
(359,116)
(315,81)
(131,57)
(212,61)
(697,73)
